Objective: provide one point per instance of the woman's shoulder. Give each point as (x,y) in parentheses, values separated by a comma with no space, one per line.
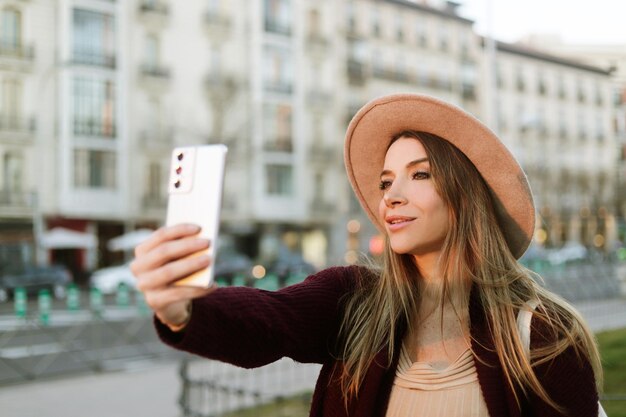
(349,276)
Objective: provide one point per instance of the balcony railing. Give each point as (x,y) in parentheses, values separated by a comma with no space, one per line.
(281,87)
(16,199)
(92,127)
(322,154)
(356,72)
(279,145)
(156,71)
(18,51)
(220,85)
(157,139)
(17,124)
(319,207)
(154,7)
(94,59)
(317,40)
(217,20)
(319,98)
(154,201)
(274,26)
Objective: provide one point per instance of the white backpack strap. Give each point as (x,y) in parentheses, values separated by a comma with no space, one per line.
(524,316)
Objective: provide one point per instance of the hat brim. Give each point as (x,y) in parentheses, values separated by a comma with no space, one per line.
(373,127)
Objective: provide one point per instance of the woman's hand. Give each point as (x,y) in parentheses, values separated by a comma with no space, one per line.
(159,263)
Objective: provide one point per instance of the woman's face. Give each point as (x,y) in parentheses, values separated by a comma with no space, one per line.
(414,215)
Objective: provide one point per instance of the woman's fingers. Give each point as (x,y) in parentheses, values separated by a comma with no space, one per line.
(165,234)
(165,252)
(161,299)
(166,274)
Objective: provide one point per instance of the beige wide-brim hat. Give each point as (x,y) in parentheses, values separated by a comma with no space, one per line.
(375,124)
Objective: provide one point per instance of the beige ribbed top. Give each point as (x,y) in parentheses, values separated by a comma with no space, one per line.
(420,390)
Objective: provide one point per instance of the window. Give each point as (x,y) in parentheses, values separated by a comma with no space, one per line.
(152,52)
(278,70)
(314,22)
(11,30)
(444,42)
(155,180)
(375,21)
(94,169)
(12,172)
(93,107)
(420,32)
(279,180)
(213,7)
(399,28)
(11,103)
(350,17)
(277,127)
(93,38)
(278,16)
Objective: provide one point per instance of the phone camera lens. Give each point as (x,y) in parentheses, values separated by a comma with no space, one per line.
(177,184)
(180,156)
(179,170)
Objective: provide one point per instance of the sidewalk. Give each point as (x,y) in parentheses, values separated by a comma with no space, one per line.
(151,389)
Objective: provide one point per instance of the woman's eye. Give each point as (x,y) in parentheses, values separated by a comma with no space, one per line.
(421,175)
(384,185)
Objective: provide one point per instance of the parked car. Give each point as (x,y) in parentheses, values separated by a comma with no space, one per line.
(33,278)
(108,279)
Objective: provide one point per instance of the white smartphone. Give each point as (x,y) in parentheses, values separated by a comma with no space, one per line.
(195,196)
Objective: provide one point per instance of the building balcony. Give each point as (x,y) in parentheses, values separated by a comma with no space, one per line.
(322,154)
(155,7)
(156,140)
(468,92)
(94,59)
(277,27)
(154,77)
(18,130)
(17,124)
(390,75)
(154,13)
(319,99)
(16,57)
(217,25)
(221,87)
(94,128)
(279,87)
(16,203)
(317,45)
(321,209)
(357,73)
(284,145)
(154,202)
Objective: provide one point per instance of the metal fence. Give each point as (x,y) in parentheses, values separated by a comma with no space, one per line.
(211,389)
(74,341)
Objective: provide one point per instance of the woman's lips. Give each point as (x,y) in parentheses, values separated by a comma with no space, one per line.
(395,223)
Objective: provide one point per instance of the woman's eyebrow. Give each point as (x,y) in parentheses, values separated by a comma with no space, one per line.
(409,165)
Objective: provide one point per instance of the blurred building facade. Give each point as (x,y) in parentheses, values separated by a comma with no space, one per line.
(96,93)
(556,115)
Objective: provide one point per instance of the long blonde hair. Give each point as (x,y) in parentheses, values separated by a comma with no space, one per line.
(474,251)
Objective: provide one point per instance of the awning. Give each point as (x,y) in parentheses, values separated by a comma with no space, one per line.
(62,238)
(129,240)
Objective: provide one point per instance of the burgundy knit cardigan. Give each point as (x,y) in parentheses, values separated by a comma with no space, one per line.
(250,328)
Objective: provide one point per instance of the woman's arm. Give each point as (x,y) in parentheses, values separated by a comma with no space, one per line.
(249,327)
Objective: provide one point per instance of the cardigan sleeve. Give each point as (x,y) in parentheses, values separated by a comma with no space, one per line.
(568,379)
(250,327)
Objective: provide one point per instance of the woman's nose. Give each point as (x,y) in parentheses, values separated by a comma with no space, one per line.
(394,198)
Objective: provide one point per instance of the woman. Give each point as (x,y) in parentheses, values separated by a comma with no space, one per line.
(434,332)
